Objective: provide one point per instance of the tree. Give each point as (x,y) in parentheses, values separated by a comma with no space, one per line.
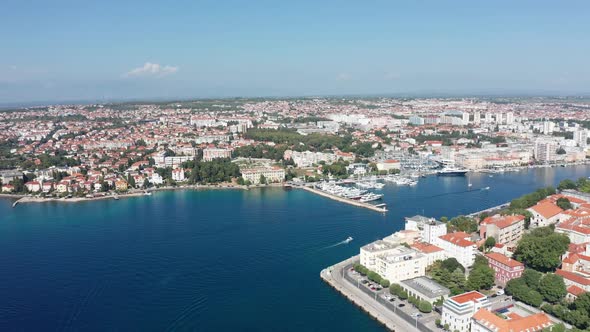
(561,150)
(567,184)
(583,302)
(481,277)
(424,306)
(542,249)
(564,203)
(552,287)
(451,264)
(384,283)
(490,242)
(262,179)
(532,278)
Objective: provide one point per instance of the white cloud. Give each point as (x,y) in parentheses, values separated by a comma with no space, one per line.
(151,69)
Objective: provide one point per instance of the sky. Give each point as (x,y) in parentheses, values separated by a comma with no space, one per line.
(124,50)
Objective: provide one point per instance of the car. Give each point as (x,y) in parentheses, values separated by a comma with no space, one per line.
(401,305)
(494,295)
(391,299)
(364,281)
(500,292)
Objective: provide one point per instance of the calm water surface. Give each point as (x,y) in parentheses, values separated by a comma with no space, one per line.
(211,260)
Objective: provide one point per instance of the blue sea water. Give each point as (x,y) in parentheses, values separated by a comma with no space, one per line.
(223,260)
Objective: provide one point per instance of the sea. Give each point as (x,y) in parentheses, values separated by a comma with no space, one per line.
(213,260)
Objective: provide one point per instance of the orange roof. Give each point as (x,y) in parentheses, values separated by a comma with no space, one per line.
(426,248)
(467,297)
(458,239)
(503,221)
(547,209)
(575,290)
(504,260)
(536,322)
(578,279)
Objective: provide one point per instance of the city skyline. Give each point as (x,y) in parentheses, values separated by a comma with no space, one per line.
(69,52)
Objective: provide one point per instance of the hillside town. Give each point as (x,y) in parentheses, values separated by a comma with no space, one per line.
(90,150)
(521,267)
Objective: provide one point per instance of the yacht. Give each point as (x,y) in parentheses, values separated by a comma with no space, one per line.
(451,171)
(370,197)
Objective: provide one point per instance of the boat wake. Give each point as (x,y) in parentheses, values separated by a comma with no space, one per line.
(348,240)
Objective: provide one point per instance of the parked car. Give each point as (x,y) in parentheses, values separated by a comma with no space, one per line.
(401,305)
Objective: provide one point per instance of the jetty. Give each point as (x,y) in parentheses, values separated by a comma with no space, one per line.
(378,208)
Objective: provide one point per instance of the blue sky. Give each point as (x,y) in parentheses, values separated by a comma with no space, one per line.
(77,50)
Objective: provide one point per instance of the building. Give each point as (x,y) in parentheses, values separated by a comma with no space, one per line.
(505,268)
(402,263)
(477,117)
(178,174)
(369,253)
(429,228)
(425,289)
(506,230)
(33,186)
(458,310)
(215,153)
(509,118)
(388,165)
(270,174)
(581,137)
(545,150)
(121,185)
(416,120)
(545,213)
(432,252)
(10,175)
(459,246)
(486,321)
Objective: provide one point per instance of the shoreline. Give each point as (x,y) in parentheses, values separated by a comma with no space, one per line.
(344,200)
(19,199)
(391,321)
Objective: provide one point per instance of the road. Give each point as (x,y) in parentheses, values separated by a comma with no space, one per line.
(334,275)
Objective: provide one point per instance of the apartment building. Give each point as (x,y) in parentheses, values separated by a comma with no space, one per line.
(459,246)
(459,309)
(506,230)
(505,268)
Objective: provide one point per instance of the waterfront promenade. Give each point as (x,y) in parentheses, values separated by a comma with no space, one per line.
(334,276)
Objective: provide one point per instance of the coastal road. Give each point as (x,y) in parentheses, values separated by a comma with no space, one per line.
(334,276)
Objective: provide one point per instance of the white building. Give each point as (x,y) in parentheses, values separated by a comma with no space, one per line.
(215,153)
(393,262)
(581,137)
(509,118)
(459,246)
(416,120)
(271,174)
(458,310)
(178,174)
(477,117)
(429,228)
(156,179)
(545,213)
(545,150)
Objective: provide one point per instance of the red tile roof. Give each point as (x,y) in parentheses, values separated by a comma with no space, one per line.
(547,209)
(573,277)
(458,239)
(503,221)
(503,259)
(575,290)
(426,248)
(532,323)
(472,296)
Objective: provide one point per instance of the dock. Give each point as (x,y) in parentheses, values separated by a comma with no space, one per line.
(380,208)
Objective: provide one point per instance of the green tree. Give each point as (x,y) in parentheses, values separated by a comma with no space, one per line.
(542,249)
(262,179)
(552,287)
(564,203)
(425,306)
(481,277)
(490,242)
(532,278)
(567,184)
(451,264)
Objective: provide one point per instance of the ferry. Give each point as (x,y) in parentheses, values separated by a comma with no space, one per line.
(451,171)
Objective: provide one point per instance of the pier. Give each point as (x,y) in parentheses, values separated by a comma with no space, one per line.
(380,208)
